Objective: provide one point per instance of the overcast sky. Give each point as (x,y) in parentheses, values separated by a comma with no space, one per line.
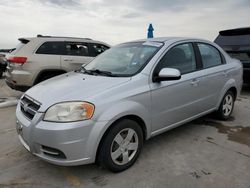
(115,21)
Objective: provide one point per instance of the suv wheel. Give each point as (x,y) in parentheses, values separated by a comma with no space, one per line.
(121,146)
(226,107)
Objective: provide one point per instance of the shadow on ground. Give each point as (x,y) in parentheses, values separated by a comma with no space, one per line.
(245,89)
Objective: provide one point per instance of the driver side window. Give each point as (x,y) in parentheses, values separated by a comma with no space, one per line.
(181,57)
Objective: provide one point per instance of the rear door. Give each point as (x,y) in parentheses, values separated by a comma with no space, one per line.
(213,76)
(76,54)
(47,56)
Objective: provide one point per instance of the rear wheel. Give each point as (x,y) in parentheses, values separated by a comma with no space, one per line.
(121,146)
(226,107)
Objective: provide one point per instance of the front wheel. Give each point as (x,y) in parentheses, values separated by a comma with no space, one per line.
(121,146)
(226,107)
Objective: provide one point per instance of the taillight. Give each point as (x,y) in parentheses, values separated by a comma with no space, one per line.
(19,60)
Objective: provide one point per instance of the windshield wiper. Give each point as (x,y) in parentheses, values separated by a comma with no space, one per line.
(100,72)
(97,72)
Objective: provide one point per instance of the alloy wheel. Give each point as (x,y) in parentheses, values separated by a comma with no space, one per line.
(124,146)
(227,105)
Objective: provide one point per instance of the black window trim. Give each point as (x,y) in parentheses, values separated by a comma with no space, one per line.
(197,59)
(63,50)
(197,56)
(223,60)
(87,44)
(91,51)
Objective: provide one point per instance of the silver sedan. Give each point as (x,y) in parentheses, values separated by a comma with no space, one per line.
(104,112)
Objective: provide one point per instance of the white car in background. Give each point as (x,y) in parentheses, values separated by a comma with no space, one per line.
(40,58)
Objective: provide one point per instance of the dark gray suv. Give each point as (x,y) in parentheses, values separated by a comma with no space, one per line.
(236,42)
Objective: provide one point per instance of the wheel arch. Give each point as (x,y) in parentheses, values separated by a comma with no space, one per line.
(234,90)
(133,117)
(46,71)
(230,85)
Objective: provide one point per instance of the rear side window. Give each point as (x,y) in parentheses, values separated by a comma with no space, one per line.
(97,49)
(56,48)
(77,49)
(180,57)
(20,45)
(210,56)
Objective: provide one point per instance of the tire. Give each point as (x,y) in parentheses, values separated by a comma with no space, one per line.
(226,107)
(118,152)
(1,74)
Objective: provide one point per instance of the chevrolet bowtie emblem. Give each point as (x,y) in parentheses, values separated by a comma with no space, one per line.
(25,107)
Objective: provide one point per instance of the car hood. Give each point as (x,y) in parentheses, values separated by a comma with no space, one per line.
(72,87)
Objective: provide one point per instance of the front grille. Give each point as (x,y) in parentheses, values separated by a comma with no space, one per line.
(29,107)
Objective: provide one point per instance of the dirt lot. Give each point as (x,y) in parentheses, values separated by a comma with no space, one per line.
(203,153)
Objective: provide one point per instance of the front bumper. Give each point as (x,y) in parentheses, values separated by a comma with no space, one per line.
(65,144)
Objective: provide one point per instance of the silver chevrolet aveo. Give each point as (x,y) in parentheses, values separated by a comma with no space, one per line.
(104,112)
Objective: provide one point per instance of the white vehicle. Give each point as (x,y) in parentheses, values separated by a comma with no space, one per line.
(39,58)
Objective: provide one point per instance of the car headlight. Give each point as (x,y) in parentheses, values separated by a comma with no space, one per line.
(69,111)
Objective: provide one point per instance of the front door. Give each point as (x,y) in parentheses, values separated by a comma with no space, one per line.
(175,101)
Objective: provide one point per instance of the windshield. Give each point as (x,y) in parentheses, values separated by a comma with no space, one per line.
(125,59)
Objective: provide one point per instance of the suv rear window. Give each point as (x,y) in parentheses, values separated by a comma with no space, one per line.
(242,56)
(56,48)
(233,37)
(22,43)
(232,40)
(236,42)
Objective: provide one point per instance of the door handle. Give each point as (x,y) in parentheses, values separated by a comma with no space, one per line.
(195,82)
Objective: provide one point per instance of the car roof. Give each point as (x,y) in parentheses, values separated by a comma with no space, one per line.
(61,38)
(236,31)
(169,39)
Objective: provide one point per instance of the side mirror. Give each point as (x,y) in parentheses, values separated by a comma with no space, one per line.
(167,74)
